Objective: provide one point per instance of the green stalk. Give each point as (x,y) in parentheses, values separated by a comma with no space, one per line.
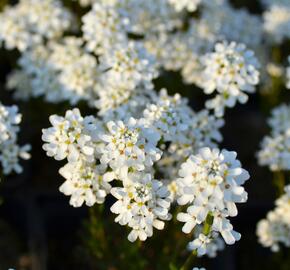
(188,265)
(279,182)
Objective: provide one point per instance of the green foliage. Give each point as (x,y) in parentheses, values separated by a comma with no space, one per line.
(105,245)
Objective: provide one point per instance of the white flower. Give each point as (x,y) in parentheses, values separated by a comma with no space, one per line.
(129,146)
(9,121)
(31,21)
(10,154)
(200,244)
(229,23)
(67,137)
(149,17)
(102,19)
(60,71)
(275,148)
(128,71)
(275,229)
(10,151)
(275,152)
(231,70)
(208,244)
(171,117)
(277,22)
(86,182)
(280,119)
(142,203)
(210,182)
(129,63)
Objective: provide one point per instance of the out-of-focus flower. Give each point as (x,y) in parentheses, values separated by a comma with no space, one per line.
(275,229)
(10,151)
(30,22)
(232,71)
(275,148)
(277,22)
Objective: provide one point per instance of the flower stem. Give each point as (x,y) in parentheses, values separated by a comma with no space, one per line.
(208,223)
(193,255)
(279,182)
(189,261)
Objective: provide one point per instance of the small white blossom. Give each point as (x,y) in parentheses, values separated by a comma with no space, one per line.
(129,146)
(210,244)
(103,19)
(142,203)
(9,121)
(171,117)
(86,182)
(67,137)
(200,244)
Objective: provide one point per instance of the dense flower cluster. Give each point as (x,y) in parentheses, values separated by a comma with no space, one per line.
(10,151)
(231,70)
(275,148)
(277,20)
(99,151)
(30,22)
(275,229)
(142,203)
(111,69)
(98,154)
(211,184)
(66,71)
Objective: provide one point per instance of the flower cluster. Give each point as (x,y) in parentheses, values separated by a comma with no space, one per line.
(110,69)
(130,151)
(275,229)
(71,137)
(30,22)
(275,148)
(98,154)
(183,130)
(64,70)
(277,20)
(142,203)
(231,70)
(211,184)
(10,151)
(206,244)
